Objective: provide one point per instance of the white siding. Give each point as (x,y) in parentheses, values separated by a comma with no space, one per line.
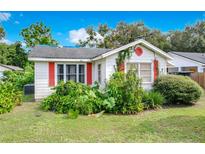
(179,61)
(41,80)
(103,71)
(110,65)
(147,56)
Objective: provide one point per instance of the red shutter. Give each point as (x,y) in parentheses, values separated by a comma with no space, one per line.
(122,67)
(155,69)
(89,73)
(51,74)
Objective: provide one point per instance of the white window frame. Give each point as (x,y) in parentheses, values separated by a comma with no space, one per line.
(138,71)
(100,73)
(81,73)
(61,74)
(77,71)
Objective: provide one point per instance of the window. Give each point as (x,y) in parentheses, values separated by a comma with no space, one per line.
(143,70)
(71,73)
(189,69)
(99,73)
(75,72)
(173,69)
(60,72)
(132,66)
(81,72)
(146,72)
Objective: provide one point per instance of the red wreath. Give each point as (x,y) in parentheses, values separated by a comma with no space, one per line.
(138,51)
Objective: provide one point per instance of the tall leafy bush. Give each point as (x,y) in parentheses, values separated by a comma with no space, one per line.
(127,91)
(9,97)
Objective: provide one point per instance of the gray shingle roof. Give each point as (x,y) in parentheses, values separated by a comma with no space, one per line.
(66,53)
(14,68)
(198,57)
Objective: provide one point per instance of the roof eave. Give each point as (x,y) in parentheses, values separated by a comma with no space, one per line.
(57,59)
(195,61)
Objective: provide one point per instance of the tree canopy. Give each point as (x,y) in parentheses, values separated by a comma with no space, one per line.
(13,54)
(38,34)
(191,39)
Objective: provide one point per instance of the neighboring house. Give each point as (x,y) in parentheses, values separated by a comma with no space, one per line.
(187,62)
(8,68)
(88,65)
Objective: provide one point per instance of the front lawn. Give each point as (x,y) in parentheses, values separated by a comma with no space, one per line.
(27,123)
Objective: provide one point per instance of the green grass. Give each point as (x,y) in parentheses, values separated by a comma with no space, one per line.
(27,123)
(28,98)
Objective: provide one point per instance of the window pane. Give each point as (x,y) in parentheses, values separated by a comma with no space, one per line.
(132,66)
(82,78)
(60,72)
(71,77)
(71,69)
(145,72)
(81,71)
(60,69)
(71,72)
(145,66)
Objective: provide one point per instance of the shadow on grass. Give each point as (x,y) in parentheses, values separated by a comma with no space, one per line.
(167,106)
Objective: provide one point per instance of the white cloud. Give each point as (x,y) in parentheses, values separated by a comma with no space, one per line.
(80,34)
(4,16)
(76,35)
(6,41)
(17,22)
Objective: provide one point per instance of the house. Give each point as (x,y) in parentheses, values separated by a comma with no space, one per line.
(187,62)
(8,68)
(88,65)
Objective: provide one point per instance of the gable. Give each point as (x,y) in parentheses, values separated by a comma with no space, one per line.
(180,61)
(132,45)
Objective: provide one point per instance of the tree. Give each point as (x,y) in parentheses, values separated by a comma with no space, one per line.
(191,39)
(2,33)
(38,34)
(123,34)
(13,54)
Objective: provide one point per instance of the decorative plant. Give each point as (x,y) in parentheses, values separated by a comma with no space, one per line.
(124,54)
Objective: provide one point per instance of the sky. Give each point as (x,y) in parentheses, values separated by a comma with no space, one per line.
(68,27)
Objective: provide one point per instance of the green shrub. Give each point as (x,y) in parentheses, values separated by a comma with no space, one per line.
(127,92)
(20,78)
(76,96)
(152,100)
(73,114)
(9,97)
(178,89)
